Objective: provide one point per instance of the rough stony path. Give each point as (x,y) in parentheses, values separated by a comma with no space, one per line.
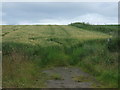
(63,77)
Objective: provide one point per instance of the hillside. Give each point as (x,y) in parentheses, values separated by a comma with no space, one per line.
(30,49)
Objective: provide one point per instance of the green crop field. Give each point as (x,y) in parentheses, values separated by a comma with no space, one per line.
(49,35)
(29,49)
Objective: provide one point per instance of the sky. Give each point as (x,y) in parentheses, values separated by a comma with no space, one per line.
(59,13)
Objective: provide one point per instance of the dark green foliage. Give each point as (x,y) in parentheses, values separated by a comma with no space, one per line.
(109,29)
(114,44)
(5,33)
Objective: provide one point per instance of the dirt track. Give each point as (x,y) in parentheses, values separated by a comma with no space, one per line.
(67,76)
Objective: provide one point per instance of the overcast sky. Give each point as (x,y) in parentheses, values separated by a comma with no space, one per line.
(59,13)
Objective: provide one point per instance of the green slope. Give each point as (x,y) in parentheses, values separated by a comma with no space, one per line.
(43,35)
(28,49)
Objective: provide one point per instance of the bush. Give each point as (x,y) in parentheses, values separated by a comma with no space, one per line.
(114,45)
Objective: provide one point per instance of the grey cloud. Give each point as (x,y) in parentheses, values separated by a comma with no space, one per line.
(34,12)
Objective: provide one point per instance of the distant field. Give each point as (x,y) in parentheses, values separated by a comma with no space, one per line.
(29,49)
(49,35)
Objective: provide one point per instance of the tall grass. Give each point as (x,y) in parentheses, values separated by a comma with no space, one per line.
(92,57)
(107,58)
(24,59)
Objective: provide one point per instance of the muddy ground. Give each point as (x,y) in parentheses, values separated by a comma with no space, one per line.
(69,77)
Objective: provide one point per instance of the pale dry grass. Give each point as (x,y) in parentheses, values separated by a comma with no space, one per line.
(40,34)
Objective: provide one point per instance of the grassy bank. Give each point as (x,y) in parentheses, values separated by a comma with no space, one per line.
(109,29)
(29,49)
